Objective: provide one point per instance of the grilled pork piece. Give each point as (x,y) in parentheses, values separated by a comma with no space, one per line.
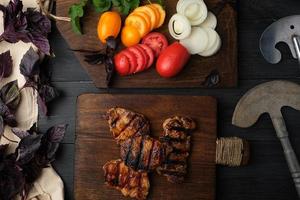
(142,153)
(124,124)
(134,184)
(177,141)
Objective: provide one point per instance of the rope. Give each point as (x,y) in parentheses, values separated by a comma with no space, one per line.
(229,151)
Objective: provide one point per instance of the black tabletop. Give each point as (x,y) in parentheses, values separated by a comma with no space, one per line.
(267,176)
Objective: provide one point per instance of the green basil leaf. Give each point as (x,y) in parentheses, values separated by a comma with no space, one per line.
(133,3)
(127,5)
(116,3)
(102,5)
(76,12)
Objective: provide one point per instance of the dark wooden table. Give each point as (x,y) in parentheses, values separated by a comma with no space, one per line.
(267,177)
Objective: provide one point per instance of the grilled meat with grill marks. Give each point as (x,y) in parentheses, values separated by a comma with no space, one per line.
(134,184)
(176,140)
(142,153)
(124,124)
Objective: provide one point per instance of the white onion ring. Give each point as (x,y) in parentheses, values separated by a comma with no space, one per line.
(183,6)
(179,27)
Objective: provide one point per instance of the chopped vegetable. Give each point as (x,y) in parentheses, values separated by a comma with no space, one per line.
(130,36)
(210,21)
(139,23)
(194,10)
(213,49)
(150,12)
(197,41)
(144,19)
(109,25)
(156,41)
(179,27)
(162,14)
(134,59)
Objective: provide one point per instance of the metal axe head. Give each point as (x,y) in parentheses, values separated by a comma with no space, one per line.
(282,30)
(269,98)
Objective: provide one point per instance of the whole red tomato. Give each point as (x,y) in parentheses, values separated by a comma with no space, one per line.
(172,60)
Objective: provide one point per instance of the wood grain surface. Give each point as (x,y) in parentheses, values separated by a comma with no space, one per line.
(193,75)
(95,145)
(267,177)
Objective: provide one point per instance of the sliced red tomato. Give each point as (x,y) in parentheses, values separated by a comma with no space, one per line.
(132,60)
(145,55)
(156,41)
(122,64)
(141,62)
(150,54)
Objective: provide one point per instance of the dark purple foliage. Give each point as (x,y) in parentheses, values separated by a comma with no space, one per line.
(20,169)
(37,78)
(6,64)
(28,147)
(29,65)
(12,180)
(46,94)
(56,133)
(9,101)
(20,133)
(3,148)
(10,95)
(30,26)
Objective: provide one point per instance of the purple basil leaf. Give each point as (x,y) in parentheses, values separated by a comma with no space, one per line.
(41,42)
(38,22)
(42,105)
(29,65)
(56,133)
(28,147)
(48,93)
(51,151)
(9,118)
(1,126)
(12,180)
(10,94)
(29,26)
(32,171)
(6,64)
(20,133)
(3,148)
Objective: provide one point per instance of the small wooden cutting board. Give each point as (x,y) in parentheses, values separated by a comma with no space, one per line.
(195,72)
(95,145)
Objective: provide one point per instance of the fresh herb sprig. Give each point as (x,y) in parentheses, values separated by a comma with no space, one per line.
(76,11)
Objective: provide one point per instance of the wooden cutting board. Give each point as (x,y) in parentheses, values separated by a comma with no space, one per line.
(95,145)
(193,75)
